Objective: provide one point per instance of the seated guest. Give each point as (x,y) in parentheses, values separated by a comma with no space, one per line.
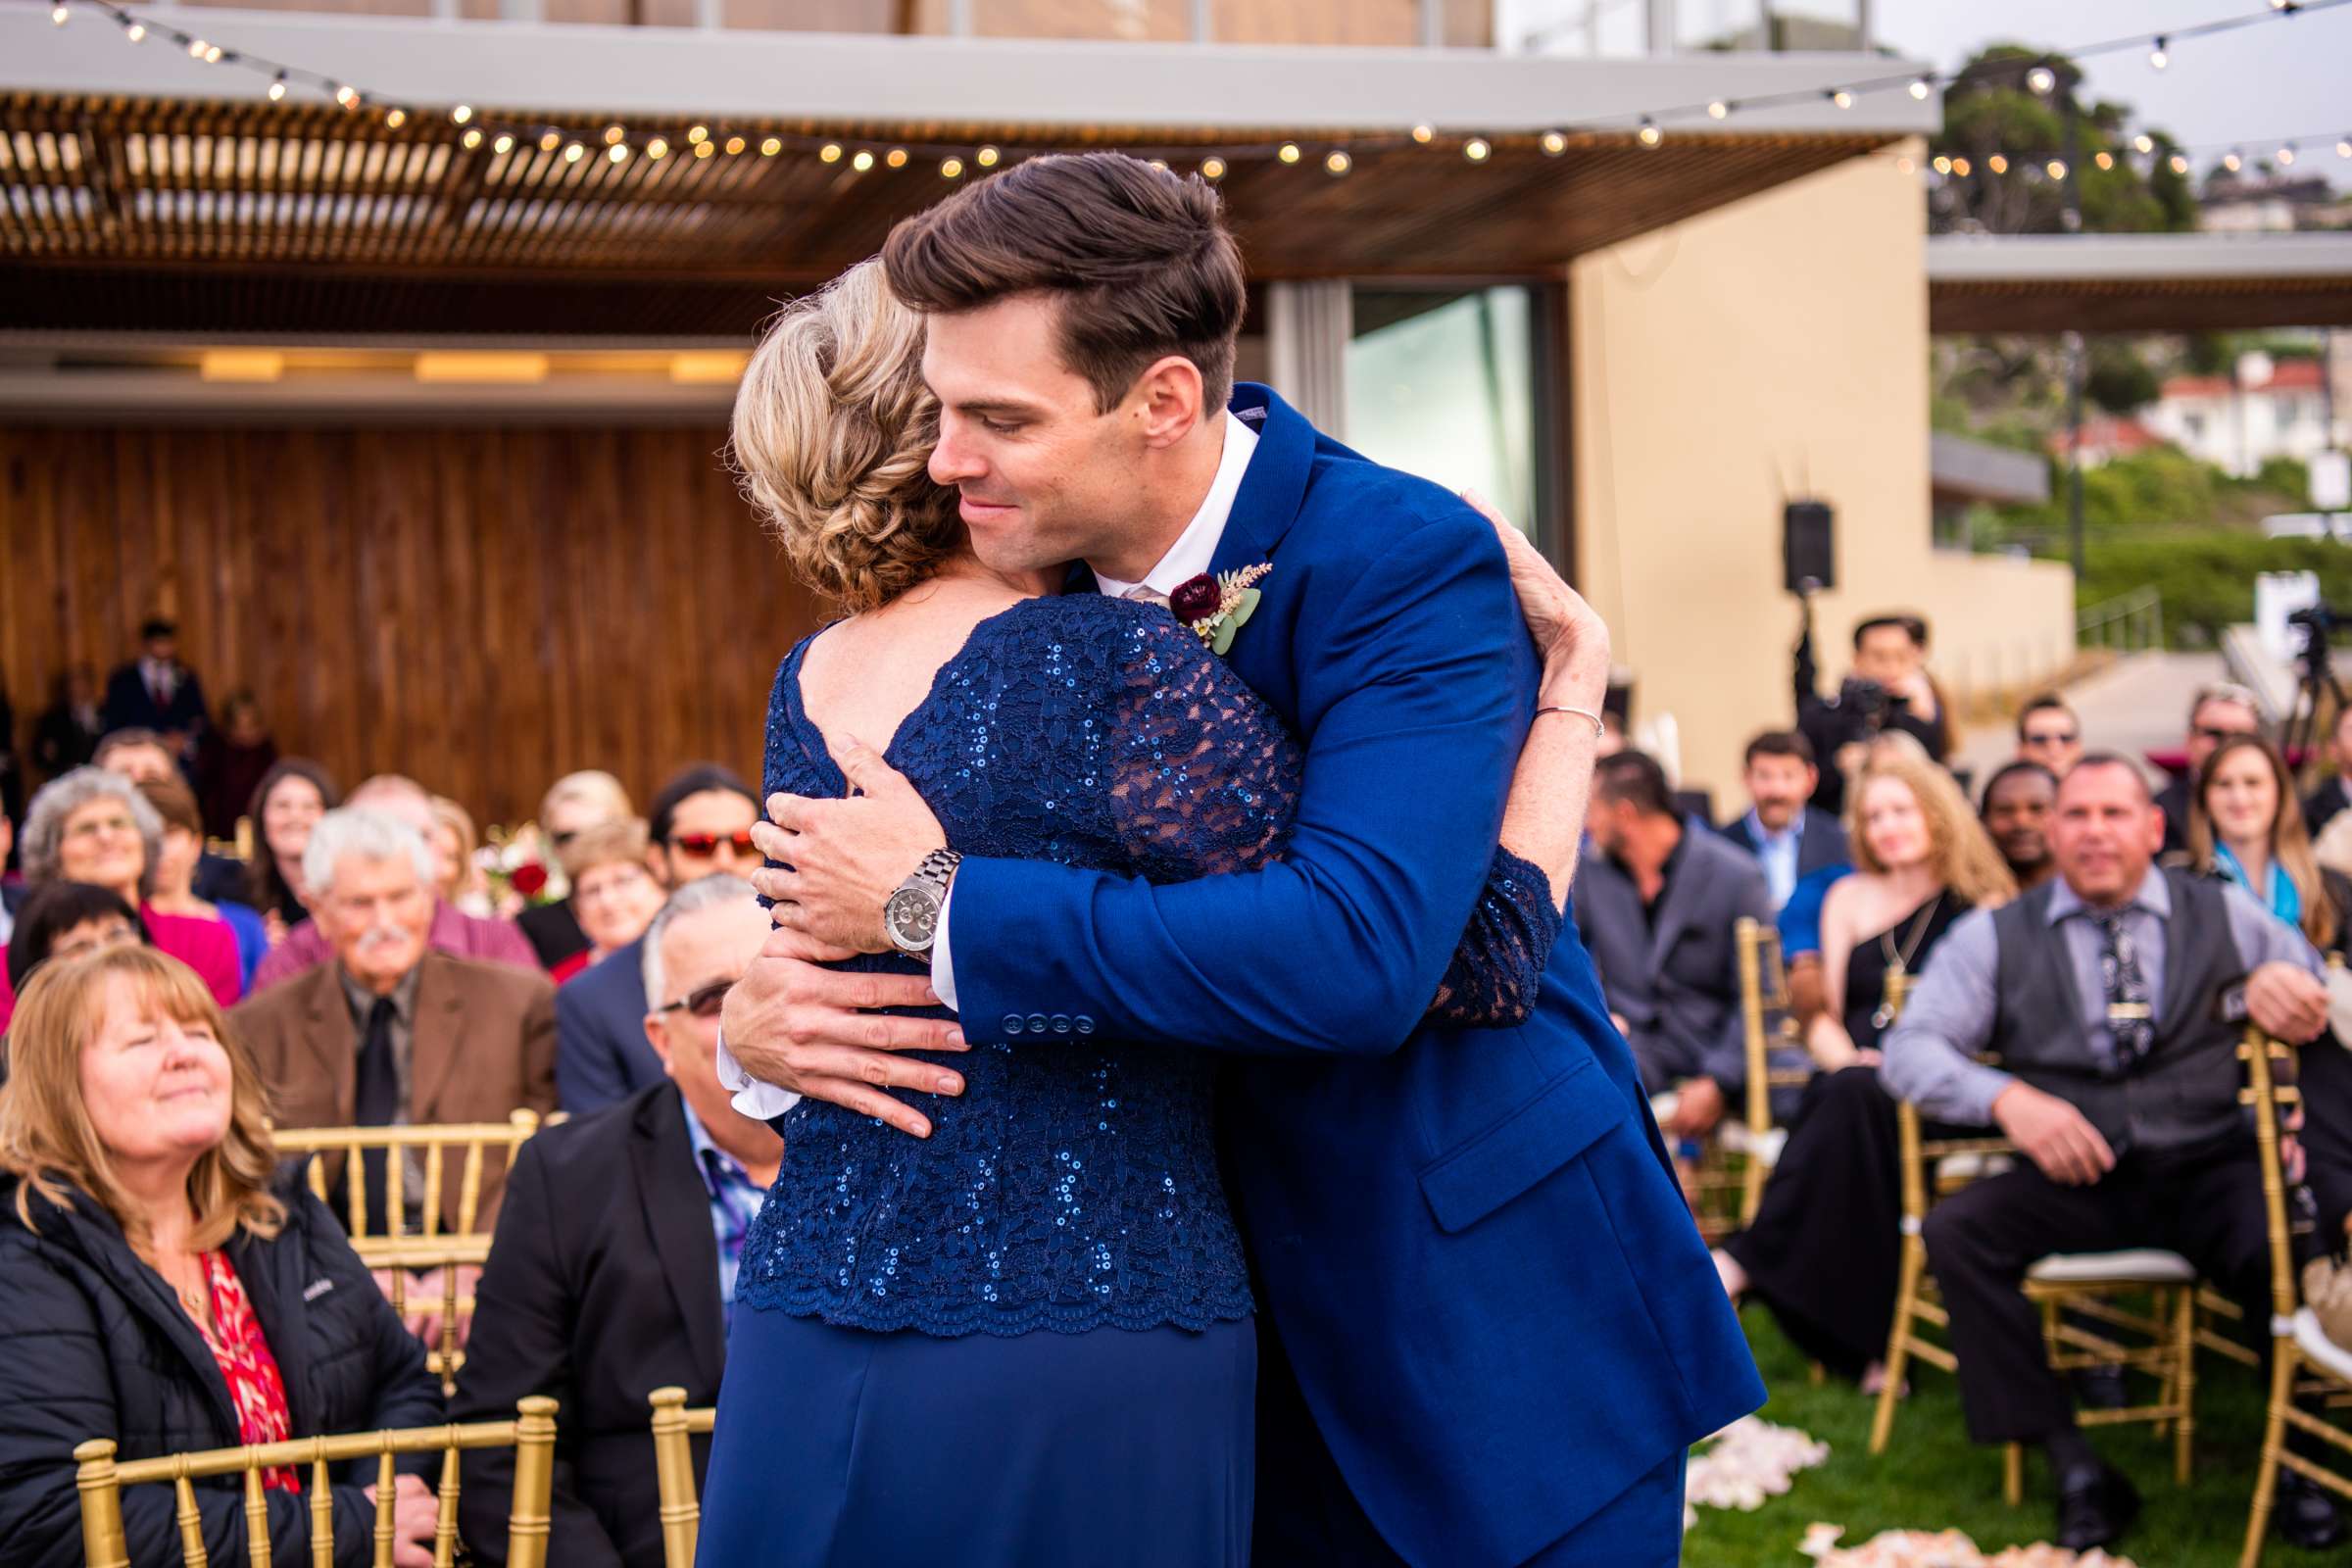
(176,874)
(452,930)
(287,804)
(612,889)
(457,880)
(2049,733)
(231,761)
(574,803)
(1658,906)
(162,1287)
(2327,803)
(615,1263)
(2217,712)
(12,883)
(64,921)
(1825,1252)
(143,757)
(702,824)
(2127,1114)
(94,826)
(2018,800)
(157,692)
(388,1031)
(1787,837)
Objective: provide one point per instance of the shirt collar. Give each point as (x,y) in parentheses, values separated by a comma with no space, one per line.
(362,1001)
(1195,548)
(706,1151)
(1766,836)
(2155,896)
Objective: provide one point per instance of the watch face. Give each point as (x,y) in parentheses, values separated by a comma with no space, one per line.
(911,917)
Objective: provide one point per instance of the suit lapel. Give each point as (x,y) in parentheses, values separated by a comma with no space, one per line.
(436,1036)
(1274,485)
(677,1215)
(1683,895)
(333,1040)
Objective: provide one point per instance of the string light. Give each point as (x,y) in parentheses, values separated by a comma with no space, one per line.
(196,48)
(2056,167)
(2343,146)
(829,152)
(1212,168)
(618,152)
(985,157)
(61,14)
(614,136)
(471,139)
(1288,152)
(1943,165)
(1476,148)
(213,54)
(657,149)
(502,146)
(1553,144)
(2286,155)
(459,116)
(574,153)
(699,135)
(551,142)
(2144,143)
(1338,162)
(1962,166)
(1649,133)
(2041,80)
(1424,135)
(1842,98)
(347,95)
(1997,164)
(135,31)
(1719,109)
(862,162)
(897,157)
(771,146)
(2179,164)
(1921,87)
(2105,161)
(277,89)
(951,169)
(2232,162)
(395,117)
(704,149)
(2158,57)
(736,144)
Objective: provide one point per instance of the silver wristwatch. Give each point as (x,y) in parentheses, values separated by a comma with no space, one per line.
(910,918)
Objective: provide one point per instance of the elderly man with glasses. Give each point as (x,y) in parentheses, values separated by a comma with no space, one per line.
(2217,712)
(614,1260)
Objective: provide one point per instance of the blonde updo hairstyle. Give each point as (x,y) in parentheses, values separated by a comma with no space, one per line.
(832,441)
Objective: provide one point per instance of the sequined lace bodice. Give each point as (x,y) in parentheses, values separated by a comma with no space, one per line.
(1073,1184)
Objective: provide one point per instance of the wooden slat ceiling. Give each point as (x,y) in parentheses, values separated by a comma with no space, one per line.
(201,217)
(2139,305)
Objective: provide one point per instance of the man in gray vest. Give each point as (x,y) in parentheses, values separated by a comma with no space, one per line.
(2114,998)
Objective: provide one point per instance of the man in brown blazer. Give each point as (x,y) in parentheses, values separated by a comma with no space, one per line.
(393,1033)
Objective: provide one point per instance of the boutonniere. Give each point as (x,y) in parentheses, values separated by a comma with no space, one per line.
(1217,608)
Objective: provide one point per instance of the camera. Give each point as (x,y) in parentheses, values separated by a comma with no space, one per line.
(2315,621)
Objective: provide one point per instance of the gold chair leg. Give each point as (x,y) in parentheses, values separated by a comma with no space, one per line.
(1898,1343)
(2013,1474)
(2184,1373)
(2283,1360)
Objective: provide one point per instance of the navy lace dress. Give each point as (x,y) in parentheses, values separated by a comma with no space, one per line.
(889,1395)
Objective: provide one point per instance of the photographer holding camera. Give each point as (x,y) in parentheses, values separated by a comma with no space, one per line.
(1887,688)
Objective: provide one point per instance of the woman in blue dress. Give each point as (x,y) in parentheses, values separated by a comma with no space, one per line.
(1024,1339)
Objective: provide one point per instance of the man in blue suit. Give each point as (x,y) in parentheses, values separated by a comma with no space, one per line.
(1789,837)
(1489,1330)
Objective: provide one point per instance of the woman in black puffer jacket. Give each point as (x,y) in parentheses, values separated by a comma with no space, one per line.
(159,1287)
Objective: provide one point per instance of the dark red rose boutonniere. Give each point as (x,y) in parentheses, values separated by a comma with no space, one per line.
(1215,607)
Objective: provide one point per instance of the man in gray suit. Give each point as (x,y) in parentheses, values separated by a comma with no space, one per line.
(1658,907)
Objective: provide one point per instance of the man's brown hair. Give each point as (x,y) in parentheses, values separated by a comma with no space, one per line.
(1138,260)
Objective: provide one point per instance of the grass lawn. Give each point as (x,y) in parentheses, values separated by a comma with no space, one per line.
(1933,1478)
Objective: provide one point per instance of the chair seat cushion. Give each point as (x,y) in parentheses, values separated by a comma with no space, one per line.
(2133,1265)
(2313,1341)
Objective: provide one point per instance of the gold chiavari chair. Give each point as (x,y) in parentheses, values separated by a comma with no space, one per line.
(400,1258)
(431,1145)
(532,1434)
(2304,1360)
(675,1426)
(1768,1024)
(2084,1300)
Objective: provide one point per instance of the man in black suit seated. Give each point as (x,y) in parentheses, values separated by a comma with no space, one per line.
(614,1264)
(156,691)
(1658,906)
(1788,838)
(701,824)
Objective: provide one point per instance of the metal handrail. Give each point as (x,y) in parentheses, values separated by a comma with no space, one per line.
(2128,623)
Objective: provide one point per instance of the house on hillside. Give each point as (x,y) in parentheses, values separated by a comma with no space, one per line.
(2267,409)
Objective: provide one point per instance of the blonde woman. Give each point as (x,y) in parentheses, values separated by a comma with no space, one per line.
(1826,1246)
(162,1287)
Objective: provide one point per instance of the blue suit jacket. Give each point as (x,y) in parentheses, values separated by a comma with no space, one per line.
(1820,840)
(1471,1241)
(601,1055)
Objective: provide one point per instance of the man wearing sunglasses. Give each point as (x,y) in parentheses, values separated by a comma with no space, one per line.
(698,825)
(2217,712)
(2049,733)
(614,1259)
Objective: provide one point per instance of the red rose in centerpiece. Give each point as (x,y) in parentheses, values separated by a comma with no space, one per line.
(1196,599)
(529,879)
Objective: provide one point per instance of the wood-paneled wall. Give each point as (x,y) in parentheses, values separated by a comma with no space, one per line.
(485,608)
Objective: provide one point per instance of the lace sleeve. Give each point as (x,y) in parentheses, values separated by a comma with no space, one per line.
(1497,971)
(1205,777)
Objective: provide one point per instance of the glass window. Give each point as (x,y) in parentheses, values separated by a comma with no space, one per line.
(1443,385)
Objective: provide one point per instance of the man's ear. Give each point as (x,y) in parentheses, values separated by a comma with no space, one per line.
(1168,400)
(657,1035)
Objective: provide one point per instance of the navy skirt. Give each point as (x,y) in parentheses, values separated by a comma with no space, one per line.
(837,1446)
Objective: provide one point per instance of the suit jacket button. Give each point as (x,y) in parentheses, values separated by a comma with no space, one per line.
(1086,1025)
(1037,1023)
(1012,1023)
(1061,1023)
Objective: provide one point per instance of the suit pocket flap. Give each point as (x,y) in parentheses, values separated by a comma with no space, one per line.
(1467,1184)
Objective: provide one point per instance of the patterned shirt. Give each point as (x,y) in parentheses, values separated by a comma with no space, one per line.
(254,1385)
(735,1200)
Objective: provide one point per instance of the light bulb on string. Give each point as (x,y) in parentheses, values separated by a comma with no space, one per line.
(951,169)
(1943,165)
(1842,98)
(2055,168)
(699,135)
(135,31)
(704,149)
(1425,133)
(1212,168)
(1650,134)
(1338,162)
(2344,145)
(2144,143)
(1962,166)
(771,146)
(574,153)
(2180,165)
(347,95)
(1477,149)
(829,152)
(2041,80)
(462,114)
(657,149)
(473,138)
(2105,160)
(395,117)
(896,157)
(196,48)
(213,54)
(2286,155)
(1719,109)
(1288,152)
(1997,164)
(277,89)
(735,145)
(1921,87)
(1553,144)
(2158,56)
(618,152)
(2232,162)
(551,140)
(862,162)
(60,13)
(614,136)
(502,146)
(987,157)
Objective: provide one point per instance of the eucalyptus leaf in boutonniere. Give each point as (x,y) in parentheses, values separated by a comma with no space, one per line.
(1217,608)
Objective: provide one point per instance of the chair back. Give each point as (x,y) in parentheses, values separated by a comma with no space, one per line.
(2267,1061)
(472,1142)
(101,1479)
(398,1258)
(675,1426)
(1765,1018)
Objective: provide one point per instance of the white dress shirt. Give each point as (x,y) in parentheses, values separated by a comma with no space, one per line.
(1188,557)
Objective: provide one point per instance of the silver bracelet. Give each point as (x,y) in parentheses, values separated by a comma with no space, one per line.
(1599,728)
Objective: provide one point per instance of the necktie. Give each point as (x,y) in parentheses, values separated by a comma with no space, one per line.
(1145,596)
(376,1104)
(2131,1020)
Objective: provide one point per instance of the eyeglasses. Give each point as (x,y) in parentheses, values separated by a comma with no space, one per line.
(704,1002)
(622,880)
(702,845)
(97,827)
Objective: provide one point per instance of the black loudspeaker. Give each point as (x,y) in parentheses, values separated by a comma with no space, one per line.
(1808,547)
